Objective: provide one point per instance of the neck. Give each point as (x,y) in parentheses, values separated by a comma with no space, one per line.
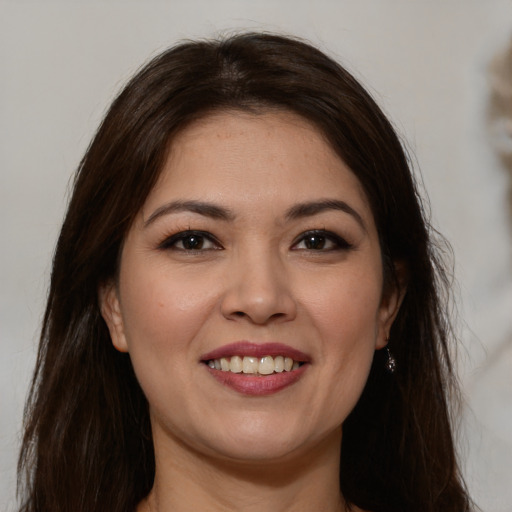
(186,481)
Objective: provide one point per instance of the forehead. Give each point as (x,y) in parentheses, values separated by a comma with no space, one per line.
(276,158)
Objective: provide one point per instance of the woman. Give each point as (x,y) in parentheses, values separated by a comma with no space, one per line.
(244,311)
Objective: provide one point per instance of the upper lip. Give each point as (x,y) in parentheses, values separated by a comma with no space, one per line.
(251,349)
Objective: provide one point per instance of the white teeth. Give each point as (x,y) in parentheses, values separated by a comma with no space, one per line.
(253,365)
(266,365)
(250,365)
(235,365)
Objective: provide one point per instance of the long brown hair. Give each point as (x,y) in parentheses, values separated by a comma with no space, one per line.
(87,445)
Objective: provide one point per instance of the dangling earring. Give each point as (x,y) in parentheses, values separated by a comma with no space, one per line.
(391,361)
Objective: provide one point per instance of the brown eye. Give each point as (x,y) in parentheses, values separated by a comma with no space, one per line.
(314,242)
(190,241)
(321,241)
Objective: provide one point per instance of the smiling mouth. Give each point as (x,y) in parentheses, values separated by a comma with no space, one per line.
(255,366)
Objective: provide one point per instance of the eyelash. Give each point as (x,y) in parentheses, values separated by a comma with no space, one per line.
(322,236)
(338,242)
(202,236)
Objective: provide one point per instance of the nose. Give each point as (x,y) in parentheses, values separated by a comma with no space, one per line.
(259,291)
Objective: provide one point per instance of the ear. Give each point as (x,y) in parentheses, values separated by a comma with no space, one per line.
(391,301)
(111,313)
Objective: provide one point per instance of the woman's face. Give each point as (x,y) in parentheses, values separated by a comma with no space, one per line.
(256,250)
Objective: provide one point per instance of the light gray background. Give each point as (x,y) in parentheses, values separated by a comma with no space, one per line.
(426,61)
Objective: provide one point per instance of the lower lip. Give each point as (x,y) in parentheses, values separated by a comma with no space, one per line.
(258,386)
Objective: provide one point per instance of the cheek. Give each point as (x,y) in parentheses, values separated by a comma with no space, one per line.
(162,315)
(165,317)
(346,308)
(345,313)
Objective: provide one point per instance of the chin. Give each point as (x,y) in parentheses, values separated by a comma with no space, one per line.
(258,451)
(255,439)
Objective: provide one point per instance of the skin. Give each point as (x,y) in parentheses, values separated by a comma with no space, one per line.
(256,277)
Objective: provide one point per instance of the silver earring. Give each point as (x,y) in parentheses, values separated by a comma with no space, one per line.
(391,362)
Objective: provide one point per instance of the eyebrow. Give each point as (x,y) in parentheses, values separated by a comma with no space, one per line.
(213,211)
(311,208)
(202,208)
